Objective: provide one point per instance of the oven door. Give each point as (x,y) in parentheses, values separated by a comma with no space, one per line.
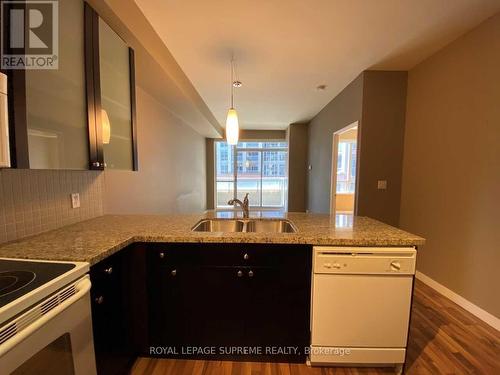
(54,337)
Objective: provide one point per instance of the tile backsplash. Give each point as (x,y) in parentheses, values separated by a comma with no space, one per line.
(34,201)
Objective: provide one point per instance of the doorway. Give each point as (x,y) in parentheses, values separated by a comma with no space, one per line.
(345,152)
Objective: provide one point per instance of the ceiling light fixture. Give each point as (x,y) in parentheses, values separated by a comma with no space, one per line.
(232,125)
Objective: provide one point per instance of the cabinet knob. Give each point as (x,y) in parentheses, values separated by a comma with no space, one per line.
(96,164)
(162,255)
(250,273)
(246,257)
(173,272)
(240,273)
(108,270)
(99,300)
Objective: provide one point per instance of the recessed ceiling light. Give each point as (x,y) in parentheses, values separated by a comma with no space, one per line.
(321,87)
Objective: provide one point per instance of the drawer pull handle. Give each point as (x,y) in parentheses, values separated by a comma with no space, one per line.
(99,300)
(162,255)
(240,273)
(246,257)
(108,270)
(250,273)
(173,272)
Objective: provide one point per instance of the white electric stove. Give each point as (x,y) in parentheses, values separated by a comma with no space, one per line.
(45,318)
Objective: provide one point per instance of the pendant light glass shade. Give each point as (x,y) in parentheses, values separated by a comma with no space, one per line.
(106,127)
(232,127)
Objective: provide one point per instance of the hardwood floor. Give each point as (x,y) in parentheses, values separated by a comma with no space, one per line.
(444,339)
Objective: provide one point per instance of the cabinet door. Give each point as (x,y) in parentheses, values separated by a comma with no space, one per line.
(109,316)
(278,311)
(197,306)
(116,65)
(56,109)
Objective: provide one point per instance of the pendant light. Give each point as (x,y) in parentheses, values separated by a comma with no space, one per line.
(232,125)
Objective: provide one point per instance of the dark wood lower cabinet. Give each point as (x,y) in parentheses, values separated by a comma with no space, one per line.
(279,310)
(207,301)
(195,306)
(111,315)
(223,301)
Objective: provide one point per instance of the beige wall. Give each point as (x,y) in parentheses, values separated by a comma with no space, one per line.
(343,110)
(377,100)
(156,69)
(297,167)
(451,175)
(171,176)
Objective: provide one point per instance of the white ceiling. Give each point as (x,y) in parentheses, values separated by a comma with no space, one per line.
(284,49)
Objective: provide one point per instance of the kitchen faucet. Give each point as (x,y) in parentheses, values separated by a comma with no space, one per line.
(243,205)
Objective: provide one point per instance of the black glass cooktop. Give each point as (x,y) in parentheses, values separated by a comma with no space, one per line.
(18,278)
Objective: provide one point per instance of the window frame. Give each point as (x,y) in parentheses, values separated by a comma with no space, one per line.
(235,150)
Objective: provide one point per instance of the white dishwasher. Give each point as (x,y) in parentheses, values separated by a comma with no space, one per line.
(361,300)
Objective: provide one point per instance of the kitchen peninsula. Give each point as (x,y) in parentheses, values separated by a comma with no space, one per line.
(162,289)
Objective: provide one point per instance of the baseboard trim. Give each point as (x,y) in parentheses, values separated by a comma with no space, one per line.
(475,310)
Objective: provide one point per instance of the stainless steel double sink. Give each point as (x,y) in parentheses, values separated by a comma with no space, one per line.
(245,225)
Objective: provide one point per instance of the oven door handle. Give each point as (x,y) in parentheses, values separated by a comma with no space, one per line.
(82,287)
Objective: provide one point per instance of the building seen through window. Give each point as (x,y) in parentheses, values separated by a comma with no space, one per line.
(256,168)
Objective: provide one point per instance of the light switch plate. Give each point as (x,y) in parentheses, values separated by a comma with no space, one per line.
(75,200)
(382,184)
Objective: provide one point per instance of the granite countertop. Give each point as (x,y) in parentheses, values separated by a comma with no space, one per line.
(95,239)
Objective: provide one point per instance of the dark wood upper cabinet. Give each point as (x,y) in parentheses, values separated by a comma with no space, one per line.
(56,116)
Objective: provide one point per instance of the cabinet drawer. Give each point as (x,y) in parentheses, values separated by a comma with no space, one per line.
(256,255)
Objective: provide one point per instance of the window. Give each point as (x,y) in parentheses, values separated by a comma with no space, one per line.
(256,168)
(346,167)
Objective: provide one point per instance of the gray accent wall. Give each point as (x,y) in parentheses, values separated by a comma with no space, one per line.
(343,110)
(377,100)
(381,135)
(297,167)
